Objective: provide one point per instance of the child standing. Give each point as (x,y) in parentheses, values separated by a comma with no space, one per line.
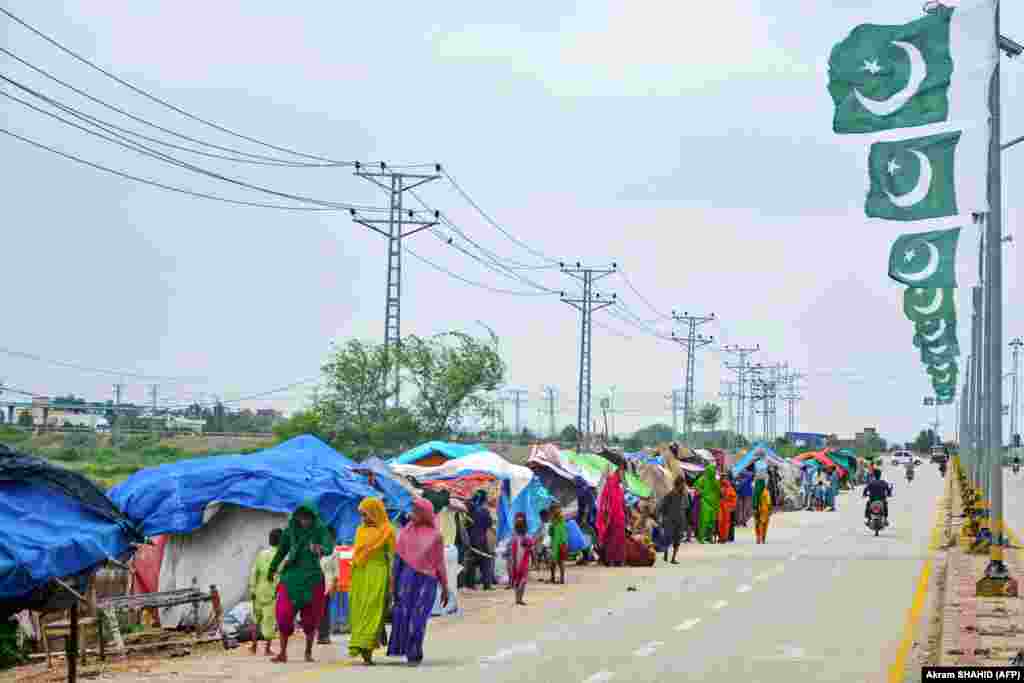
(559,536)
(519,550)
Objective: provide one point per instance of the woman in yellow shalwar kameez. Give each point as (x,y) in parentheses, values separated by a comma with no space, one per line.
(762,509)
(371,566)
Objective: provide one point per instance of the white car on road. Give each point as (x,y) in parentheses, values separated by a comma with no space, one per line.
(901,458)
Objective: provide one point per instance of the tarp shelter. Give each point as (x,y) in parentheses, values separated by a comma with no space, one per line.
(221,509)
(758,451)
(172,498)
(844,457)
(515,479)
(821,458)
(56,524)
(434,453)
(594,467)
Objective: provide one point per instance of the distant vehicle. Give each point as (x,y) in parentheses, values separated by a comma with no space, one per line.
(902,458)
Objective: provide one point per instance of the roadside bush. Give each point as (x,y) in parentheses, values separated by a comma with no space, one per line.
(78,439)
(68,454)
(164,453)
(10,435)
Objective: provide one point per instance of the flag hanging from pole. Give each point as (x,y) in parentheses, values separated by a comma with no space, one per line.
(921,305)
(934,69)
(926,259)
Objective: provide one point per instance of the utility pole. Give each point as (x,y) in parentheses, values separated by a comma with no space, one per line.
(517,401)
(691,342)
(740,368)
(586,304)
(550,393)
(153,392)
(677,403)
(756,393)
(791,398)
(395,183)
(116,429)
(728,395)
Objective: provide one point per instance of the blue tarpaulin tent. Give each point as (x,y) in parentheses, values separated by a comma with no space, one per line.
(759,450)
(449,450)
(56,523)
(171,499)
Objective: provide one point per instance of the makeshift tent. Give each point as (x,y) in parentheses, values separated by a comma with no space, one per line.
(514,478)
(434,453)
(821,458)
(146,566)
(845,458)
(642,456)
(56,524)
(172,498)
(594,467)
(758,451)
(221,509)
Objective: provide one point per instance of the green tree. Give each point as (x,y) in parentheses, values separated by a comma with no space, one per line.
(654,434)
(451,373)
(301,422)
(709,415)
(356,390)
(925,439)
(569,434)
(25,418)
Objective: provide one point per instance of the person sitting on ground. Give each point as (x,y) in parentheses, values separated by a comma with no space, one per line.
(262,592)
(877,489)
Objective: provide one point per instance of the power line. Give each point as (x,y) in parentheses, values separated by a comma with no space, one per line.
(259,159)
(101,371)
(160,101)
(651,306)
(465,195)
(156,183)
(467,281)
(166,158)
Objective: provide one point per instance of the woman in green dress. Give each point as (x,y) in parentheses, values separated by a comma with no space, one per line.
(371,566)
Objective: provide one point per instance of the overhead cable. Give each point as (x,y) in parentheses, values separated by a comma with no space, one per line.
(163,102)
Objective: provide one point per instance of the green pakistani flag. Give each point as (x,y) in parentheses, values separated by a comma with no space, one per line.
(942,333)
(913,179)
(942,369)
(882,77)
(923,304)
(936,355)
(925,259)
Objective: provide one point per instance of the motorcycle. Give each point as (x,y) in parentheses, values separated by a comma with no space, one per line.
(942,469)
(876,519)
(1016,468)
(910,476)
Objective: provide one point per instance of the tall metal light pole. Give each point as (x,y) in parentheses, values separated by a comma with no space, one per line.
(1016,345)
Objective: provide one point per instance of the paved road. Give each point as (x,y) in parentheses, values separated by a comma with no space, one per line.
(824,600)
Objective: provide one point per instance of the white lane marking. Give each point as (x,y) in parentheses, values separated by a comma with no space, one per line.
(744,589)
(520,649)
(828,539)
(600,677)
(688,624)
(720,604)
(648,649)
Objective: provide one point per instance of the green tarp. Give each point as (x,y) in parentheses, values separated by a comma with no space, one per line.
(598,465)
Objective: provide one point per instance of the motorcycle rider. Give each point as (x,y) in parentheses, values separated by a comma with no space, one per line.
(910,469)
(1016,464)
(880,490)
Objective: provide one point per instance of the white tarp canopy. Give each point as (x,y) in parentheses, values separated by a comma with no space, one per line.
(491,463)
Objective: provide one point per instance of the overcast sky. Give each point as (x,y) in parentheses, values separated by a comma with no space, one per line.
(692,146)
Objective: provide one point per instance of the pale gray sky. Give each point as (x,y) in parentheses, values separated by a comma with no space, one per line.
(690,144)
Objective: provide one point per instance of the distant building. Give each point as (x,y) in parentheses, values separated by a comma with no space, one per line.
(177,423)
(807,439)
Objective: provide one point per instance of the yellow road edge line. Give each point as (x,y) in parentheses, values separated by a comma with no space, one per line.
(897,671)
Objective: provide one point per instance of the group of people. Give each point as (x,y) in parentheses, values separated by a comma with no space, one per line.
(820,487)
(708,512)
(395,578)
